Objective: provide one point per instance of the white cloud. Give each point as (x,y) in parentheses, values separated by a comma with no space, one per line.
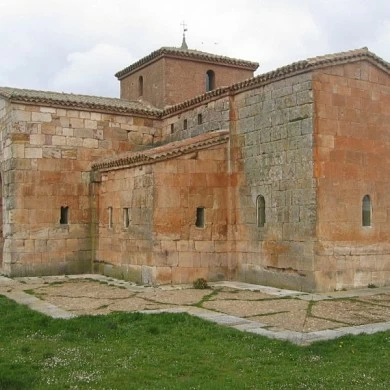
(92,72)
(77,45)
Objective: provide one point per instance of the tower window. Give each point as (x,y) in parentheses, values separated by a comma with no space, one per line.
(110,217)
(366,211)
(260,213)
(64,215)
(172,128)
(210,80)
(126,218)
(199,217)
(200,119)
(185,124)
(140,86)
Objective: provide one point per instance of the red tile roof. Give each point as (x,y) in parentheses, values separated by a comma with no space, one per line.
(286,71)
(190,54)
(71,100)
(163,152)
(121,106)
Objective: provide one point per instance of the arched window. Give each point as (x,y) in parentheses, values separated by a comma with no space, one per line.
(140,86)
(260,214)
(210,80)
(366,211)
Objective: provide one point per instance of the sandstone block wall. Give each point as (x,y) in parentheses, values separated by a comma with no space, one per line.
(170,81)
(187,79)
(352,160)
(5,123)
(162,243)
(153,85)
(47,154)
(214,116)
(272,150)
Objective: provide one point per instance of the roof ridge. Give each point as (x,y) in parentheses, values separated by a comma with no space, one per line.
(165,50)
(63,93)
(79,100)
(281,72)
(162,152)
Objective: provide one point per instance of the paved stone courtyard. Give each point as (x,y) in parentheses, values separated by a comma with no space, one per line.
(284,314)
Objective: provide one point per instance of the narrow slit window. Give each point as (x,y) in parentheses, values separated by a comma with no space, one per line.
(366,211)
(200,119)
(126,218)
(210,80)
(200,217)
(172,128)
(110,217)
(260,206)
(140,86)
(64,215)
(185,124)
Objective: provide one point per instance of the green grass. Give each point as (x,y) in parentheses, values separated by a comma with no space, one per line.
(175,351)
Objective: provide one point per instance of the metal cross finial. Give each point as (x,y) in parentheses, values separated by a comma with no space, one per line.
(184,25)
(184,43)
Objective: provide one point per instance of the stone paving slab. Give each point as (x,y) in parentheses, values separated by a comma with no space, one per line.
(298,317)
(39,305)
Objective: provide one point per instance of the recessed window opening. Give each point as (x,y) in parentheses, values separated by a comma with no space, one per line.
(210,80)
(366,211)
(126,218)
(64,215)
(110,217)
(185,124)
(200,119)
(140,86)
(172,128)
(200,217)
(260,213)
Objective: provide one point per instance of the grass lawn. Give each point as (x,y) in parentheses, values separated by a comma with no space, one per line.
(175,351)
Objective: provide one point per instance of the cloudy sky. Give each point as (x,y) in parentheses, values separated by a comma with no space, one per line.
(77,45)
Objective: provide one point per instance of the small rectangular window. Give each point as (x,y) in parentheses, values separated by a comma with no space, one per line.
(110,217)
(366,211)
(126,218)
(260,205)
(172,128)
(200,119)
(185,124)
(200,217)
(64,215)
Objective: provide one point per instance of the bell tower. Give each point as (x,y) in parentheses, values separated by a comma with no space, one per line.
(171,75)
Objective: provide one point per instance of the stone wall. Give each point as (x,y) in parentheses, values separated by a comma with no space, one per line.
(272,141)
(187,79)
(5,123)
(153,84)
(352,160)
(46,162)
(162,243)
(170,81)
(214,116)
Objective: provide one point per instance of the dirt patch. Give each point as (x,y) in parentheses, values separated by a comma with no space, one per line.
(175,297)
(241,295)
(254,308)
(350,312)
(380,299)
(90,289)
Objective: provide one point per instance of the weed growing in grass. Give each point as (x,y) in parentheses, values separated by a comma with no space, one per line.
(200,284)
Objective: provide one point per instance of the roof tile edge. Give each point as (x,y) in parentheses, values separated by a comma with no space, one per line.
(177,52)
(162,152)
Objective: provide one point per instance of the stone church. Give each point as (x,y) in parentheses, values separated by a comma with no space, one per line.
(200,169)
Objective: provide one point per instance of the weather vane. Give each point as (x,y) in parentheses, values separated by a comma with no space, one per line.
(184,43)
